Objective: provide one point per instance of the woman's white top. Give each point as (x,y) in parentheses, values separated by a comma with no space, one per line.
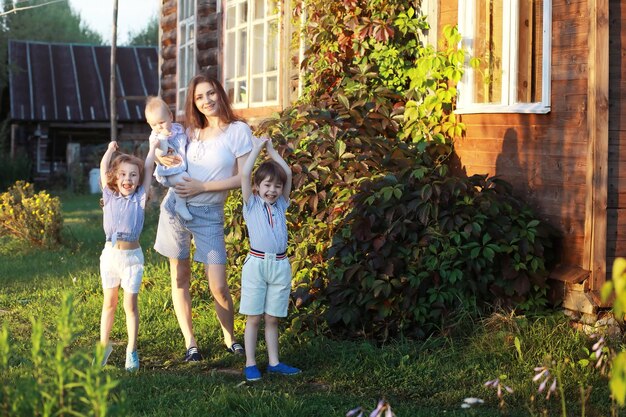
(216,159)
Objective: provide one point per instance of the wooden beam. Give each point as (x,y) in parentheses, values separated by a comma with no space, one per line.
(113,81)
(569,274)
(13,139)
(140,98)
(594,257)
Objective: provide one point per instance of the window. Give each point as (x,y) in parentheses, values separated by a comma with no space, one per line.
(508,44)
(252,52)
(187,66)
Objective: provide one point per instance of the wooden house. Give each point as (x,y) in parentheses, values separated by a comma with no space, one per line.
(539,114)
(59,101)
(537,108)
(242,42)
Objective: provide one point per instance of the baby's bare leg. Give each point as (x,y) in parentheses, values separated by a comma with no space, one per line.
(181,202)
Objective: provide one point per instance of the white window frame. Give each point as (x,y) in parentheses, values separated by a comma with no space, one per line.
(230,74)
(510,41)
(186,63)
(430,8)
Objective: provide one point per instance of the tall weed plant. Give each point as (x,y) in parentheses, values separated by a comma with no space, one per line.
(59,380)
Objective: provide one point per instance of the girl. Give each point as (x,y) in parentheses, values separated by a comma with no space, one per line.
(125,183)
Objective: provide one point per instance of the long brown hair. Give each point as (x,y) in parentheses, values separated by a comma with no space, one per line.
(194,119)
(119,160)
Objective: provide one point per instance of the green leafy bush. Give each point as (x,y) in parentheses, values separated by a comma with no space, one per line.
(369,56)
(33,217)
(421,245)
(383,240)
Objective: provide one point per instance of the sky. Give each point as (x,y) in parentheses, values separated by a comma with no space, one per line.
(132,15)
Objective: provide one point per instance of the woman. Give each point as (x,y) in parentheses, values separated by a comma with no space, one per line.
(217,150)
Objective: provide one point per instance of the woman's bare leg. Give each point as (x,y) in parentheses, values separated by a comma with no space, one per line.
(180,271)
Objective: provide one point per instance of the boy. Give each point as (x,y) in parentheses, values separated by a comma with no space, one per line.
(170,136)
(266,274)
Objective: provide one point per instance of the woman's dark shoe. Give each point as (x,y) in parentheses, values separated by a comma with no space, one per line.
(193,355)
(236,348)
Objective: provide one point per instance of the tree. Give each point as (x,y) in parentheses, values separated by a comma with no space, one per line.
(148,36)
(55,22)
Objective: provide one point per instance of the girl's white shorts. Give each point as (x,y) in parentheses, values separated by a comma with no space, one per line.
(121,268)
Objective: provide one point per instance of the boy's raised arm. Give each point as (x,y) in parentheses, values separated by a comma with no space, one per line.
(246,171)
(276,157)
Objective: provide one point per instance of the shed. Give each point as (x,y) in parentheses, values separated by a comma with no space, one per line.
(59,100)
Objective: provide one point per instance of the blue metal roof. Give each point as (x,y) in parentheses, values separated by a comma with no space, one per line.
(70,82)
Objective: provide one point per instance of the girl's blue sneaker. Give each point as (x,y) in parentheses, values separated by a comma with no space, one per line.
(107,352)
(132,361)
(283,369)
(252,373)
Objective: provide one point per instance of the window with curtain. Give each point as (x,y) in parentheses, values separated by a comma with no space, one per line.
(187,66)
(252,52)
(508,63)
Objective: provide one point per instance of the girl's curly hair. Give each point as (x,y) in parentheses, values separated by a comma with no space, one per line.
(119,160)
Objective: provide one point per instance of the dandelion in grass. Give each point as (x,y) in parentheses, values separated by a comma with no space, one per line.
(543,373)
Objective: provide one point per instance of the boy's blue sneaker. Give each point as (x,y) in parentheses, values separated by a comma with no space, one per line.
(283,369)
(132,361)
(252,373)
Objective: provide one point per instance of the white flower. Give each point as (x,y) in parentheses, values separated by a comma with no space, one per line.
(472,401)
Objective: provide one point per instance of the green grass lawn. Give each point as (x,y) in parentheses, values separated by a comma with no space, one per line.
(418,378)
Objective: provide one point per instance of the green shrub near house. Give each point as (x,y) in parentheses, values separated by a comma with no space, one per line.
(387,238)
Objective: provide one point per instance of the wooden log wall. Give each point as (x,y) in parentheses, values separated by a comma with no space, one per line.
(208,27)
(616,215)
(544,156)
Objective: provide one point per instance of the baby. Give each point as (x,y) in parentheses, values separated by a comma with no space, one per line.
(172,138)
